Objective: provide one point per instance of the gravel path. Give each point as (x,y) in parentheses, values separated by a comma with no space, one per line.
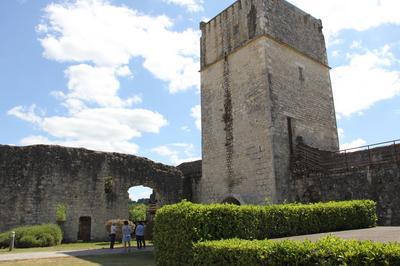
(377,234)
(68,253)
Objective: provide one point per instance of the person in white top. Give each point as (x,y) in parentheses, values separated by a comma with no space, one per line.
(126,234)
(113,232)
(139,232)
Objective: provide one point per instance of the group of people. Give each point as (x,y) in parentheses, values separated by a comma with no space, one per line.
(127,233)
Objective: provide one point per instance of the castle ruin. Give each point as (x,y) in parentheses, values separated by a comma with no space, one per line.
(269,134)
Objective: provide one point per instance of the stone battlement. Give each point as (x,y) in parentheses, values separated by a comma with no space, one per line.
(246,20)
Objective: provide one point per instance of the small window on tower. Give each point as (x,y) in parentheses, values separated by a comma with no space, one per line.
(301,73)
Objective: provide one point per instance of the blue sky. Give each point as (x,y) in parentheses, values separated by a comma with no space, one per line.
(123,76)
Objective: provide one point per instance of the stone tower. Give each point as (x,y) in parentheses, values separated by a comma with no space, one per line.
(264,83)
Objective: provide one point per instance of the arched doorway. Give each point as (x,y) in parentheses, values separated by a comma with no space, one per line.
(231,200)
(142,207)
(140,199)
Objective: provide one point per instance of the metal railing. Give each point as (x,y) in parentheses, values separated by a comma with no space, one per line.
(367,155)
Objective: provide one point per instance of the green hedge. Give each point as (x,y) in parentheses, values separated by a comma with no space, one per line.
(178,226)
(45,235)
(327,251)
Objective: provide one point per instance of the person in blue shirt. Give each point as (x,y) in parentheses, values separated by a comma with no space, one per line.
(139,232)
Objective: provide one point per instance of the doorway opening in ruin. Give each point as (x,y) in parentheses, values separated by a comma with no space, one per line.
(143,206)
(141,200)
(231,200)
(85,228)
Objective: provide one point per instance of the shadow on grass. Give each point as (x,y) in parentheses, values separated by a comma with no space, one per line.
(137,259)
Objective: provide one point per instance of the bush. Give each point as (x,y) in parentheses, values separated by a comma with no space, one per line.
(45,235)
(137,212)
(327,251)
(178,226)
(119,223)
(61,213)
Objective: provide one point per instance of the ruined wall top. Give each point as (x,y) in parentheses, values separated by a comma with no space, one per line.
(246,20)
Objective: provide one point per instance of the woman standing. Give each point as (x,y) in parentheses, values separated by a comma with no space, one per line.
(126,235)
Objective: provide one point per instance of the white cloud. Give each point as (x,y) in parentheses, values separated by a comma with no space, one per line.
(356,45)
(341,132)
(105,129)
(190,5)
(176,153)
(139,192)
(185,128)
(354,144)
(95,84)
(98,40)
(26,114)
(196,114)
(109,36)
(366,80)
(359,15)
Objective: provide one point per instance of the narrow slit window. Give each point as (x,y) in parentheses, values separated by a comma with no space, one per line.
(290,134)
(301,73)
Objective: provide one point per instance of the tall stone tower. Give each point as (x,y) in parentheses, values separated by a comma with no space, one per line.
(264,82)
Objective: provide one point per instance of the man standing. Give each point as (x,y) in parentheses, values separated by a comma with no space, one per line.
(113,232)
(139,232)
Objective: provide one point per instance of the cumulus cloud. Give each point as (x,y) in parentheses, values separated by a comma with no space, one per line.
(341,132)
(354,144)
(109,36)
(97,41)
(196,114)
(27,114)
(139,192)
(190,5)
(185,128)
(359,15)
(97,85)
(365,80)
(106,129)
(177,153)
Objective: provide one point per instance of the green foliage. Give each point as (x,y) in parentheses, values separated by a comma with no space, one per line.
(327,251)
(108,184)
(45,235)
(137,212)
(178,226)
(61,213)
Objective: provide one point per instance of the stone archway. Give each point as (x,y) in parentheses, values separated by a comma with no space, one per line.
(89,183)
(231,200)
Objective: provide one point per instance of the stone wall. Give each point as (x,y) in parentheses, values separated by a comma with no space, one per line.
(192,176)
(368,174)
(237,152)
(34,179)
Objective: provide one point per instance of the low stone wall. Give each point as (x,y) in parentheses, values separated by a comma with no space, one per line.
(368,174)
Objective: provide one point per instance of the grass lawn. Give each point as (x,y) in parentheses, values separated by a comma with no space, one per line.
(69,246)
(137,259)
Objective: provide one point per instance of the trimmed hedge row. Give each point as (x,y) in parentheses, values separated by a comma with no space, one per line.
(327,251)
(45,235)
(178,226)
